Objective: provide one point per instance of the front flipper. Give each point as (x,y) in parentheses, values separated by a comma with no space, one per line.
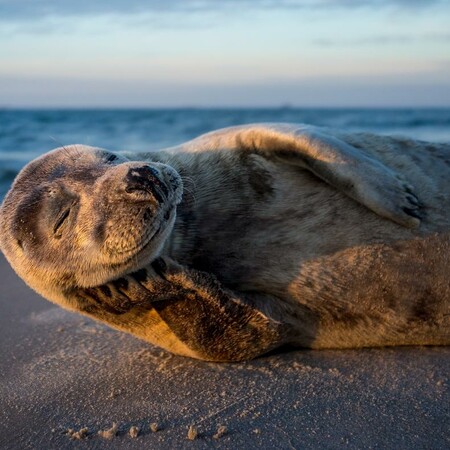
(363,178)
(185,312)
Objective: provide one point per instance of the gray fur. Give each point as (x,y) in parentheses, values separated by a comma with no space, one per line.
(284,235)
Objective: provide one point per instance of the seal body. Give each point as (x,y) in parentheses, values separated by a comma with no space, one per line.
(343,276)
(281,236)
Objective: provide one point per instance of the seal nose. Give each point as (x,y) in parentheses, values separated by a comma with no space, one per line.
(145,180)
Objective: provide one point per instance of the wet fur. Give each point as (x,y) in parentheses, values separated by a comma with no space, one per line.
(264,253)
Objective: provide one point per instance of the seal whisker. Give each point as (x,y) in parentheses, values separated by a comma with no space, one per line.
(189,186)
(56,141)
(187,179)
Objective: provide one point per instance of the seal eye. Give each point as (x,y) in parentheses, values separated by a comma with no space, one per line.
(60,222)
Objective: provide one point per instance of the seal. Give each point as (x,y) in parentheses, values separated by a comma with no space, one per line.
(243,240)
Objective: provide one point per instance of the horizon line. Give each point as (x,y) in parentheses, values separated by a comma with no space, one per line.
(216,107)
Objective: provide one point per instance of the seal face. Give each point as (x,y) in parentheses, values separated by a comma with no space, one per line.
(70,206)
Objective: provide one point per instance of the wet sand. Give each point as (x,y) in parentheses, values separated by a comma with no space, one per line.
(60,371)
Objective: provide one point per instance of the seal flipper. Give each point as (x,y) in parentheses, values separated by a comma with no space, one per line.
(199,317)
(364,178)
(215,322)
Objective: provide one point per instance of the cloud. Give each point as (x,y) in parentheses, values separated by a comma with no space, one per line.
(382,40)
(23,10)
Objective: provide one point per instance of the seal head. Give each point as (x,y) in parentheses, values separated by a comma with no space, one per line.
(80,216)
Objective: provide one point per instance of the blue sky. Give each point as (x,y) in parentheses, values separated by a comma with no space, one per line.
(111,53)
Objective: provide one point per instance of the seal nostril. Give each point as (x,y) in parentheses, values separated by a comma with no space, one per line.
(145,180)
(143,172)
(153,171)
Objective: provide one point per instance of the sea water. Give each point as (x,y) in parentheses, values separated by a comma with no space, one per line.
(26,134)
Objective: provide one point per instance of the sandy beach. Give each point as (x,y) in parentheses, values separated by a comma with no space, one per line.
(62,373)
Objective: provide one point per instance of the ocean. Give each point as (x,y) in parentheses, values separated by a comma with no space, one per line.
(26,134)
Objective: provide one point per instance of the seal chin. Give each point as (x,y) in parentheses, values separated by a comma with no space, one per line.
(151,244)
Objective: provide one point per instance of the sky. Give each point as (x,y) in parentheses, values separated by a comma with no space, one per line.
(230,53)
